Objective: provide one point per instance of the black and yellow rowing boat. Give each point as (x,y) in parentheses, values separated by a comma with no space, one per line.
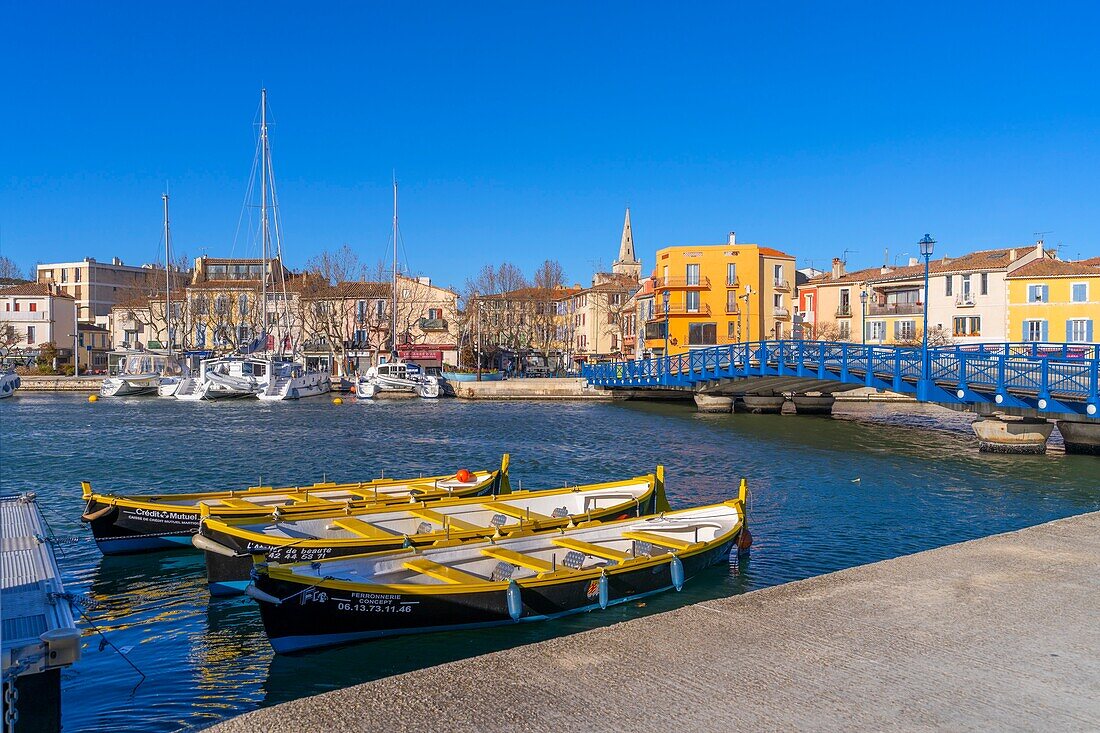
(487,583)
(230,543)
(137,523)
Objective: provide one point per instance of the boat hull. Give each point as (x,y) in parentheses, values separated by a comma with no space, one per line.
(128,387)
(313,617)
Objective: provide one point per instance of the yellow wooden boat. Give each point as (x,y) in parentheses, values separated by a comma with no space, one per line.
(138,523)
(230,543)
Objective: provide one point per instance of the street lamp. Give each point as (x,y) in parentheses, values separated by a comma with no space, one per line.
(927,244)
(664,299)
(863,305)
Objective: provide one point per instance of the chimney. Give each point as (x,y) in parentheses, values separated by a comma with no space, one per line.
(1039,248)
(1012,255)
(885,270)
(733,238)
(912,261)
(116,261)
(838,268)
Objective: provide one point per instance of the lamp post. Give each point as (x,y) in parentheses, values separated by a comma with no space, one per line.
(927,244)
(863,305)
(664,299)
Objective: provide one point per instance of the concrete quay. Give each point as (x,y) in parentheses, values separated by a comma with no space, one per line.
(556,388)
(50,383)
(994,634)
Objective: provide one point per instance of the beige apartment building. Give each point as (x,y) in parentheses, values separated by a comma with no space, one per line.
(97,286)
(967,299)
(31,316)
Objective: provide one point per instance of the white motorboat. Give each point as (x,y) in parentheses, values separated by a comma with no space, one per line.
(290,380)
(9,382)
(397,377)
(225,377)
(139,373)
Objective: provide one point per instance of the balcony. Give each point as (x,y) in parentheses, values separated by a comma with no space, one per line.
(844,310)
(964,300)
(894,309)
(780,312)
(683,283)
(734,283)
(781,285)
(433,324)
(681,309)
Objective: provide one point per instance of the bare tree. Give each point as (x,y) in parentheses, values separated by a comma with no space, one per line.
(8,268)
(337,266)
(10,338)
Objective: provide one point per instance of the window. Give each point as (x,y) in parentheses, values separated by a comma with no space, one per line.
(809,302)
(435,314)
(30,335)
(966,326)
(200,337)
(731,274)
(361,310)
(777,301)
(664,274)
(905,330)
(876,330)
(1035,330)
(64,275)
(845,308)
(965,288)
(1079,330)
(731,330)
(702,334)
(731,301)
(693,301)
(844,330)
(777,274)
(692,274)
(17,306)
(379,308)
(1038,294)
(34,306)
(947,289)
(1079,292)
(242,304)
(985,283)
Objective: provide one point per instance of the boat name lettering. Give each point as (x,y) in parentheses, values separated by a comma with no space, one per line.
(160,514)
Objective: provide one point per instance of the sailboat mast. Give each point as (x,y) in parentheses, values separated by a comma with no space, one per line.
(167,276)
(264,233)
(393,315)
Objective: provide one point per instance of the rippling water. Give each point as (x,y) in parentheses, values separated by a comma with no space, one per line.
(826,494)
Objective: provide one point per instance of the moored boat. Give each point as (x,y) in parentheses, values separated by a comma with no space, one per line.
(230,543)
(137,523)
(479,584)
(9,382)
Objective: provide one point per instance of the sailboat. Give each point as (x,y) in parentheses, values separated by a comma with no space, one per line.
(396,376)
(268,376)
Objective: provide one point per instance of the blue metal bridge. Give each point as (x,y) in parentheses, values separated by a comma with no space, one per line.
(1047,378)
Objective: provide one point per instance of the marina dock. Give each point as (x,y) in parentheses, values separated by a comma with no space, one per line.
(39,635)
(993,634)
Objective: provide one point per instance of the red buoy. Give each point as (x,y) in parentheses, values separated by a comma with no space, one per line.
(464,476)
(744,540)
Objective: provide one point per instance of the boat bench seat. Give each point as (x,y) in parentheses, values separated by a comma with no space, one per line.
(660,540)
(436,517)
(241,504)
(361,528)
(516,512)
(605,553)
(317,500)
(440,572)
(518,558)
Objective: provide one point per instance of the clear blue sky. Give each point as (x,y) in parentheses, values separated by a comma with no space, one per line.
(520,131)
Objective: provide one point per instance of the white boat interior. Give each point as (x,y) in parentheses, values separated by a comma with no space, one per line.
(505,512)
(139,372)
(580,548)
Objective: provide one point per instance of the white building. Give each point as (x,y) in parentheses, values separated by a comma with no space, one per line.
(31,316)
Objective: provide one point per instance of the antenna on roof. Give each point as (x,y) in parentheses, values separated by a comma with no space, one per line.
(1040,237)
(844,255)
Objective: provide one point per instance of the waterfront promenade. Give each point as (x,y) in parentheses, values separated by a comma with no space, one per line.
(993,634)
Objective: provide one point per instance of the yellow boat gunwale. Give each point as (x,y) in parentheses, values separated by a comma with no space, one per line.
(228,526)
(157,502)
(284,571)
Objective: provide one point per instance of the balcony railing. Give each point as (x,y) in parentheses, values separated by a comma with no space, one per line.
(669,283)
(844,311)
(781,284)
(894,309)
(678,309)
(734,283)
(780,312)
(964,300)
(433,324)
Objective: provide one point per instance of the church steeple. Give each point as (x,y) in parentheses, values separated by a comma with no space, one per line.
(627,263)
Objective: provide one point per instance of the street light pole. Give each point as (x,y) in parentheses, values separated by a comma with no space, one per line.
(664,299)
(927,244)
(863,305)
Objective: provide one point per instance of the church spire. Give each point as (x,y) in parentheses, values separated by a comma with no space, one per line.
(627,263)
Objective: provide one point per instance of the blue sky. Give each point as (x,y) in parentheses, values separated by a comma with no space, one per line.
(519,131)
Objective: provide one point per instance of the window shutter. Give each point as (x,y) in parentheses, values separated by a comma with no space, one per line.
(1088,330)
(897,330)
(1045,336)
(1069,331)
(1046,293)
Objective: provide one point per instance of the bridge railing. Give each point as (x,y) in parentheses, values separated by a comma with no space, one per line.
(964,373)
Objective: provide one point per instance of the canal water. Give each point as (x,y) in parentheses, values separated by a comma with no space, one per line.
(826,494)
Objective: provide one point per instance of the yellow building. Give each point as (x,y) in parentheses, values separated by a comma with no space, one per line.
(720,294)
(1051,300)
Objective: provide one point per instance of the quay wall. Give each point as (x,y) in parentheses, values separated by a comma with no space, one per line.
(993,634)
(569,388)
(47,383)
